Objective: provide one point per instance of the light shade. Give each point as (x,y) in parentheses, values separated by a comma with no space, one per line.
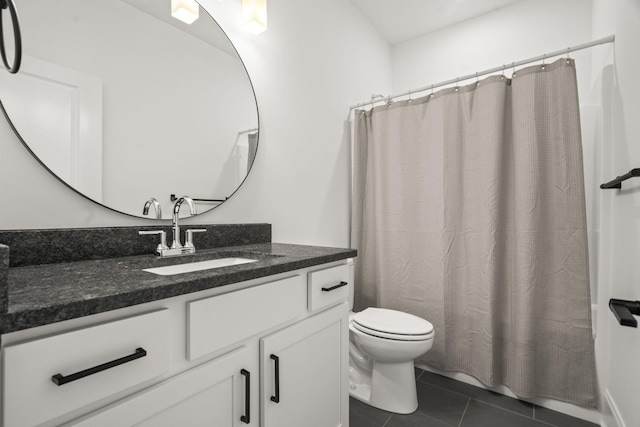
(186,11)
(254,15)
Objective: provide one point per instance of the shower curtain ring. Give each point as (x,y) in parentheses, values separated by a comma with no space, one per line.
(477,80)
(504,67)
(568,57)
(544,56)
(431,96)
(457,79)
(410,100)
(513,68)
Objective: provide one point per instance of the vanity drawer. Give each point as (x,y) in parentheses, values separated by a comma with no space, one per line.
(138,347)
(328,287)
(220,321)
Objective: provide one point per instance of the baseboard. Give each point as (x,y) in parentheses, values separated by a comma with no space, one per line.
(611,413)
(590,415)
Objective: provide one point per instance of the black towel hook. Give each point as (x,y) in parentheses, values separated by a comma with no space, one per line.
(17,57)
(615,183)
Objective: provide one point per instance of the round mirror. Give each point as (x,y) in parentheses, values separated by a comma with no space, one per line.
(124,102)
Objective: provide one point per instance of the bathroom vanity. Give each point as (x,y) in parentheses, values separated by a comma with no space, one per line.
(104,343)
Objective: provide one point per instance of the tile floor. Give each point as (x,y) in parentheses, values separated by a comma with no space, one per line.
(444,402)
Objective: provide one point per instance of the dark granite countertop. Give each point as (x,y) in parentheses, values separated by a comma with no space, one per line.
(44,294)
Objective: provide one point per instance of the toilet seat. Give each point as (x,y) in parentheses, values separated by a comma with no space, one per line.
(392,324)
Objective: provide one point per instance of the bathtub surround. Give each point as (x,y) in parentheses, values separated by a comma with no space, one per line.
(469,212)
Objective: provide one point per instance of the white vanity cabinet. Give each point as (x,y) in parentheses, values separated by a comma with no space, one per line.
(303,372)
(54,375)
(216,393)
(302,366)
(219,365)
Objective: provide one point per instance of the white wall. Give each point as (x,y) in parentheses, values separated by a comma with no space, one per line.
(519,31)
(620,225)
(315,60)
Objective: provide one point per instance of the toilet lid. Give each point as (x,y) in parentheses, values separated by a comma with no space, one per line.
(391,322)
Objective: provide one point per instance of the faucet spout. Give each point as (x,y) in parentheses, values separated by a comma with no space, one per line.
(176,215)
(156,206)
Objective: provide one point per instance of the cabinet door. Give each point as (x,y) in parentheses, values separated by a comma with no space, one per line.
(304,372)
(52,376)
(214,394)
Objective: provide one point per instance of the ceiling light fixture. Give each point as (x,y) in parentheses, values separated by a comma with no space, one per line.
(254,15)
(186,11)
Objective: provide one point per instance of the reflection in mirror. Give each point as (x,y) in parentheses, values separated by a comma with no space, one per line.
(123,102)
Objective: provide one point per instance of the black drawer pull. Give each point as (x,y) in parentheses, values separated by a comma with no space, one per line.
(341,284)
(246,418)
(60,379)
(276,360)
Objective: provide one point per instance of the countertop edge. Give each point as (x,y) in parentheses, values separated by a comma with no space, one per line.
(28,318)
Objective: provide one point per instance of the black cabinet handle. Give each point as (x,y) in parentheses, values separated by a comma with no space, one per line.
(276,360)
(60,379)
(246,418)
(341,284)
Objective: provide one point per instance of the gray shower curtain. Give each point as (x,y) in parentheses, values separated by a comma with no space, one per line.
(469,211)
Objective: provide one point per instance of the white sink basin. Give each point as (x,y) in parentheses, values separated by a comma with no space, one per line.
(198,266)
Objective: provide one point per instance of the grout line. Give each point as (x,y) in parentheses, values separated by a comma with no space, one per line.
(387,422)
(445,388)
(514,413)
(464,412)
(469,398)
(533,413)
(542,421)
(505,409)
(483,401)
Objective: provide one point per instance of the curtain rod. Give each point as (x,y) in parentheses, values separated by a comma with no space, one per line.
(605,40)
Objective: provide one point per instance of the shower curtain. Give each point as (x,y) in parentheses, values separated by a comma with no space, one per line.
(469,211)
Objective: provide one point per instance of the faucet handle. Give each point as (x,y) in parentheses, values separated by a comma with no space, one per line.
(163,239)
(189,239)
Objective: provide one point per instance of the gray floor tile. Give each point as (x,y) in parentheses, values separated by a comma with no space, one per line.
(441,404)
(446,402)
(363,415)
(479,414)
(414,420)
(487,396)
(559,419)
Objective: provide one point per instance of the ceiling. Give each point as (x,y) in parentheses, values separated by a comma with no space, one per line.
(401,20)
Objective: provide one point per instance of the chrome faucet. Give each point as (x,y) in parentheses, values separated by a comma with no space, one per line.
(176,215)
(176,247)
(156,206)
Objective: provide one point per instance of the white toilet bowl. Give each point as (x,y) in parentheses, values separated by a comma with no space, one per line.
(383,346)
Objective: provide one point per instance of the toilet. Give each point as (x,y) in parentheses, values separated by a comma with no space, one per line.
(383,345)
